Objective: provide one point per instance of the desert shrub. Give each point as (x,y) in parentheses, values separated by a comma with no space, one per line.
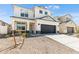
(27,34)
(2,36)
(24,34)
(6,36)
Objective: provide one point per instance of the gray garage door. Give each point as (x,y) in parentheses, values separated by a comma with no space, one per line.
(48,28)
(70,29)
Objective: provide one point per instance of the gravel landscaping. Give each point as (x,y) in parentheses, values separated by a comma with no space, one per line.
(34,45)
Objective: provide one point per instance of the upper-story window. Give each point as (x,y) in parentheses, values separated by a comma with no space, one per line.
(46,13)
(24,15)
(40,11)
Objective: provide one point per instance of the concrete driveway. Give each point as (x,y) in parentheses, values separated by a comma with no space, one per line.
(72,42)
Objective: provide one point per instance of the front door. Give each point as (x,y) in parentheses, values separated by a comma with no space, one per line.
(31,28)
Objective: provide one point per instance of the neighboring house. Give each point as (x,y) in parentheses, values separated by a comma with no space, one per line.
(40,20)
(4,27)
(66,24)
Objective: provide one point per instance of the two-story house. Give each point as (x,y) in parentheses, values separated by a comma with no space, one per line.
(35,20)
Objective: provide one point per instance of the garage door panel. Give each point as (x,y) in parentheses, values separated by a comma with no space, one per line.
(48,28)
(70,29)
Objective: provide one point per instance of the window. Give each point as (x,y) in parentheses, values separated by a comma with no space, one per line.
(20,27)
(26,15)
(23,27)
(46,13)
(40,11)
(22,14)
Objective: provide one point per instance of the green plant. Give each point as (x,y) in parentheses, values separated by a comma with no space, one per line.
(6,36)
(24,34)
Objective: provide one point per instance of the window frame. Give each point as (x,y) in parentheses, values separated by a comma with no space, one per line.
(26,14)
(40,11)
(22,15)
(46,12)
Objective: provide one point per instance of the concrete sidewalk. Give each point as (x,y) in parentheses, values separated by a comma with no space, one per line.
(72,42)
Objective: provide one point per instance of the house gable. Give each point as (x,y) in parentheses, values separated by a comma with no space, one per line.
(71,23)
(49,18)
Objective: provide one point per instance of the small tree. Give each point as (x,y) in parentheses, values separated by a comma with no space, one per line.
(14,39)
(24,35)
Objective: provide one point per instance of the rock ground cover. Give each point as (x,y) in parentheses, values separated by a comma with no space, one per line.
(35,45)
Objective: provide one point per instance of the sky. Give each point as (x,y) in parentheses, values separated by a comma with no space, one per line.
(6,10)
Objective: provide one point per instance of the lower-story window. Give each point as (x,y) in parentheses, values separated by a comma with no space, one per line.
(20,27)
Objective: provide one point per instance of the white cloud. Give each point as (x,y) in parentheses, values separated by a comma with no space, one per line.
(46,7)
(54,7)
(50,6)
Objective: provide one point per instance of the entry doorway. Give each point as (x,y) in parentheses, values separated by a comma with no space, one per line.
(32,28)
